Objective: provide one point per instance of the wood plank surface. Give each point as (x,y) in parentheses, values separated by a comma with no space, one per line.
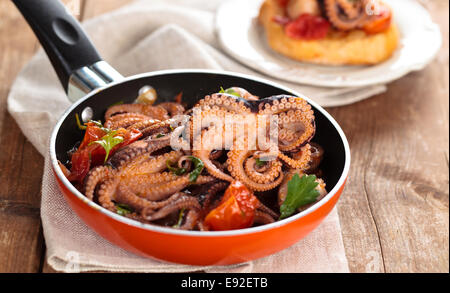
(394,211)
(21,242)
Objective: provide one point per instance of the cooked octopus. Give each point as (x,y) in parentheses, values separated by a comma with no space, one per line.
(150,180)
(344,15)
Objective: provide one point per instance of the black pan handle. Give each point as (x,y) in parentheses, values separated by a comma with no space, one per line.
(61,35)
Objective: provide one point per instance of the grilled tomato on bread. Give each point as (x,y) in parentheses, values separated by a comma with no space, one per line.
(330,32)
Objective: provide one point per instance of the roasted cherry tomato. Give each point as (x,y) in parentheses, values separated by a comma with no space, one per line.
(81,163)
(307,27)
(91,154)
(235,211)
(380,23)
(93,133)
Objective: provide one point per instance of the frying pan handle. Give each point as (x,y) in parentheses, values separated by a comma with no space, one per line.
(77,63)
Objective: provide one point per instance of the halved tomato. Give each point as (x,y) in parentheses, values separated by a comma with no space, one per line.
(307,27)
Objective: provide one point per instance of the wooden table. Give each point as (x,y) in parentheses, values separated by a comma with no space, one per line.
(395,209)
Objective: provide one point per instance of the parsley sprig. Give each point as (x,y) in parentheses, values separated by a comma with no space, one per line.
(198,168)
(301,191)
(229,91)
(175,170)
(180,219)
(109,141)
(259,162)
(193,175)
(123,209)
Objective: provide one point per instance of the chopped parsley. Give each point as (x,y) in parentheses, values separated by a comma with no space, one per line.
(123,209)
(174,170)
(193,175)
(198,168)
(180,219)
(229,91)
(80,126)
(259,162)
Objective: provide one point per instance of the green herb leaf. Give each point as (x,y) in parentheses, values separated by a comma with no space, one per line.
(108,142)
(84,127)
(80,126)
(159,135)
(180,219)
(198,168)
(100,125)
(174,170)
(301,191)
(260,163)
(123,209)
(229,91)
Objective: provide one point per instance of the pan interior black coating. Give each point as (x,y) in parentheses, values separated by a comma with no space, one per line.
(194,87)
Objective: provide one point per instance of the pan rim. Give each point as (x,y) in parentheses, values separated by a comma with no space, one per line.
(166,230)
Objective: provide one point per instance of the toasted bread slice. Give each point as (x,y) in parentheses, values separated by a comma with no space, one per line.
(337,48)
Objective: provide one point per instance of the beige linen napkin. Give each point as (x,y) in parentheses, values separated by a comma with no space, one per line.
(148,36)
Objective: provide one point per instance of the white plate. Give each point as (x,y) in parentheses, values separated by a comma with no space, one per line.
(242,38)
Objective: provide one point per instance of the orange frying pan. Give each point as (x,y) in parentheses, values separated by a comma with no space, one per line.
(92,85)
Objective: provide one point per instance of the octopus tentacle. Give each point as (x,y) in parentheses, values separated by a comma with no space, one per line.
(301,137)
(271,171)
(212,191)
(277,104)
(124,120)
(153,112)
(226,102)
(300,160)
(191,220)
(267,210)
(235,162)
(147,179)
(317,153)
(162,190)
(345,15)
(94,177)
(172,108)
(212,168)
(153,165)
(106,193)
(136,149)
(263,218)
(245,94)
(295,120)
(349,8)
(144,124)
(184,202)
(127,196)
(215,154)
(161,127)
(210,140)
(185,162)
